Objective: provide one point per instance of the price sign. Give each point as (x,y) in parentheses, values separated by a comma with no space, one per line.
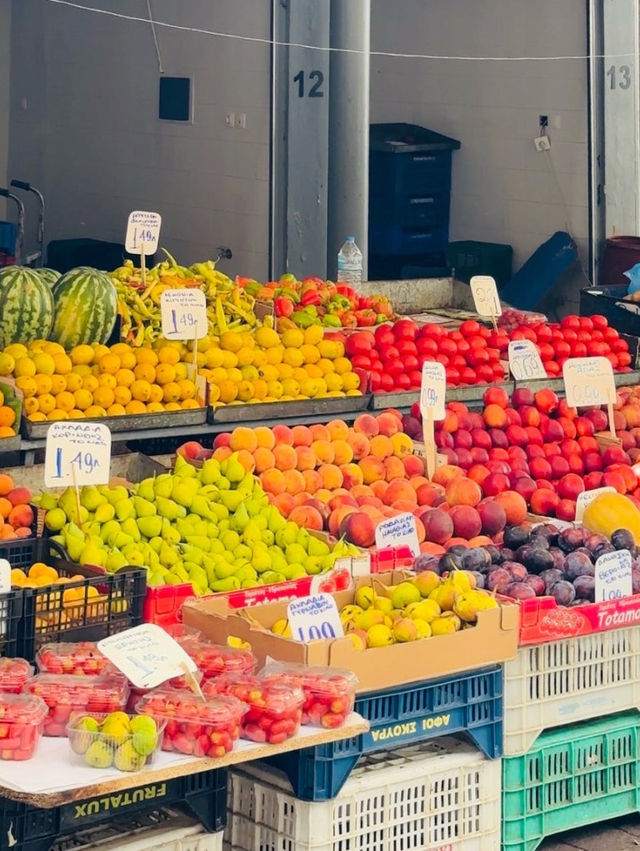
(143,232)
(398,531)
(313,618)
(613,576)
(433,389)
(147,655)
(184,314)
(586,498)
(77,453)
(524,361)
(5,576)
(588,381)
(485,296)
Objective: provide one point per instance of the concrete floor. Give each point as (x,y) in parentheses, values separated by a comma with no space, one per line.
(618,835)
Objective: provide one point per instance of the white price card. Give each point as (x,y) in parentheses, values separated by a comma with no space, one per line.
(143,232)
(184,314)
(5,576)
(613,576)
(485,296)
(397,532)
(433,388)
(77,453)
(525,362)
(313,618)
(586,498)
(588,381)
(147,655)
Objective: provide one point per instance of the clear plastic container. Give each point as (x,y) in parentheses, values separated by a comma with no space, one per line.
(67,696)
(275,709)
(181,683)
(81,658)
(125,742)
(21,717)
(212,659)
(193,727)
(329,693)
(14,673)
(350,263)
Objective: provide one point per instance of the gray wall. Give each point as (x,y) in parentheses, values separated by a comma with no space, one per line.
(5,53)
(503,190)
(84,124)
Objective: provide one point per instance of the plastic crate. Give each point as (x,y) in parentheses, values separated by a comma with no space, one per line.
(30,828)
(574,776)
(436,796)
(469,258)
(548,685)
(467,703)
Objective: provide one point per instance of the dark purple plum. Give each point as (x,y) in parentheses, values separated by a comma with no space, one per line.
(562,592)
(450,561)
(498,579)
(537,560)
(517,571)
(603,549)
(574,564)
(522,552)
(476,558)
(537,583)
(457,550)
(506,554)
(585,551)
(494,553)
(558,557)
(426,561)
(515,536)
(519,591)
(585,587)
(572,538)
(550,531)
(551,576)
(539,541)
(479,577)
(593,541)
(622,539)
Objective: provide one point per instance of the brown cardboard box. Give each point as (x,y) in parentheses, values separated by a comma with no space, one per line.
(494,639)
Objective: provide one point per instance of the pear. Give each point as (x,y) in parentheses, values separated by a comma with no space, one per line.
(379,635)
(231,499)
(115,495)
(75,547)
(201,506)
(247,572)
(122,540)
(365,597)
(170,509)
(295,553)
(124,509)
(127,758)
(199,542)
(168,556)
(404,629)
(115,560)
(231,583)
(109,531)
(197,575)
(183,468)
(223,570)
(55,519)
(46,501)
(210,472)
(130,527)
(270,577)
(230,539)
(163,485)
(275,520)
(426,610)
(317,547)
(169,532)
(223,483)
(447,623)
(99,755)
(219,511)
(91,497)
(184,491)
(232,469)
(104,512)
(143,507)
(146,489)
(134,555)
(240,519)
(92,554)
(155,543)
(150,527)
(403,594)
(369,618)
(145,734)
(312,565)
(426,582)
(261,559)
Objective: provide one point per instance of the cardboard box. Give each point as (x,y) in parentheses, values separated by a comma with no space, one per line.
(494,639)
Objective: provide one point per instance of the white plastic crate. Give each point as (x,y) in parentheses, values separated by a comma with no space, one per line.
(442,795)
(177,833)
(548,685)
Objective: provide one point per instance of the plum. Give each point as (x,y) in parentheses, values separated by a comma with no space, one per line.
(562,592)
(538,540)
(426,561)
(506,554)
(550,532)
(550,576)
(572,538)
(457,550)
(585,587)
(494,553)
(603,549)
(518,572)
(574,564)
(479,577)
(519,591)
(622,539)
(537,560)
(498,579)
(515,536)
(477,559)
(537,583)
(579,601)
(449,561)
(594,541)
(558,557)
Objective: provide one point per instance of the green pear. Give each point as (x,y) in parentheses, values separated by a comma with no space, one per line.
(216,546)
(146,489)
(313,565)
(220,511)
(134,555)
(46,501)
(240,519)
(75,547)
(230,539)
(163,485)
(223,569)
(296,572)
(261,560)
(231,499)
(92,554)
(233,469)
(143,507)
(91,498)
(184,490)
(198,541)
(247,572)
(168,556)
(150,526)
(170,509)
(196,574)
(155,543)
(223,483)
(295,553)
(183,468)
(169,532)
(124,509)
(317,547)
(115,495)
(278,559)
(212,530)
(55,519)
(231,583)
(250,583)
(109,531)
(105,512)
(193,554)
(271,577)
(210,472)
(178,570)
(268,537)
(130,527)
(201,506)
(121,540)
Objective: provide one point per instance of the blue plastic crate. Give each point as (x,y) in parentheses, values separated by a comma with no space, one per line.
(393,239)
(469,703)
(8,236)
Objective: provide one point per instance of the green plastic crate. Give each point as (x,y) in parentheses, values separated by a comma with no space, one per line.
(573,776)
(468,258)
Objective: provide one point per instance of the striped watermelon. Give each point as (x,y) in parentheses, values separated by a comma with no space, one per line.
(26,306)
(85,307)
(49,276)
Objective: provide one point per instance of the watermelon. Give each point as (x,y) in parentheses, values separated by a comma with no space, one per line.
(26,306)
(85,307)
(49,276)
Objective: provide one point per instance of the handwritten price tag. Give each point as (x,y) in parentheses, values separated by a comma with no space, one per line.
(143,232)
(524,361)
(184,314)
(313,618)
(588,381)
(147,655)
(586,498)
(77,453)
(433,389)
(398,531)
(485,296)
(613,576)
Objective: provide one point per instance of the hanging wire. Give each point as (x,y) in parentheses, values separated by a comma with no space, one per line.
(155,37)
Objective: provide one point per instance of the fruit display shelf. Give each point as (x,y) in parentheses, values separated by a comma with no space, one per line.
(129,422)
(440,794)
(577,775)
(467,703)
(278,411)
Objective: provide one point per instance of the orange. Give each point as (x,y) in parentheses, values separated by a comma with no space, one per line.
(125,377)
(81,369)
(156,393)
(189,404)
(38,417)
(76,414)
(115,410)
(122,395)
(135,407)
(104,396)
(65,401)
(155,407)
(145,372)
(141,390)
(6,431)
(127,357)
(109,363)
(90,383)
(107,380)
(214,393)
(24,367)
(172,406)
(58,384)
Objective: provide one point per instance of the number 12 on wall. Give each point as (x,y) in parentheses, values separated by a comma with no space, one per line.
(316,80)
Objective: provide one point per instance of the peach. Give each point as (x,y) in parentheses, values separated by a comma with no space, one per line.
(413,466)
(332,476)
(429,494)
(338,430)
(444,474)
(372,469)
(273,481)
(319,432)
(284,503)
(342,452)
(367,425)
(416,482)
(243,438)
(496,396)
(546,401)
(480,541)
(438,525)
(324,451)
(379,488)
(478,473)
(381,446)
(352,475)
(21,515)
(5,507)
(394,469)
(264,459)
(420,530)
(400,489)
(360,491)
(404,506)
(300,498)
(294,481)
(450,422)
(312,480)
(374,513)
(223,439)
(341,499)
(514,506)
(7,532)
(495,416)
(462,491)
(222,452)
(401,444)
(370,500)
(265,437)
(359,444)
(388,423)
(23,532)
(286,456)
(323,494)
(247,460)
(466,521)
(282,434)
(492,515)
(305,458)
(338,515)
(301,435)
(307,518)
(321,507)
(358,528)
(189,450)
(545,502)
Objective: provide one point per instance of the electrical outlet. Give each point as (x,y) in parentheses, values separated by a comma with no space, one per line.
(542,143)
(230,119)
(241,120)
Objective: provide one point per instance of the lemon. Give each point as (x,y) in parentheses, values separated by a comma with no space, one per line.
(75,414)
(82,355)
(245,357)
(58,384)
(63,364)
(147,356)
(310,353)
(293,357)
(274,355)
(275,389)
(25,367)
(58,414)
(155,394)
(125,377)
(83,399)
(214,358)
(53,349)
(350,381)
(74,381)
(16,350)
(31,405)
(231,341)
(245,391)
(293,338)
(229,360)
(95,411)
(342,365)
(28,385)
(116,410)
(7,364)
(313,335)
(266,337)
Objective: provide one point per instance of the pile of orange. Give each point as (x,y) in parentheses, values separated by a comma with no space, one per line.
(7,419)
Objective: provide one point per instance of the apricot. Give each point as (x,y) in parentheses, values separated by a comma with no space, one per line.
(381,446)
(450,422)
(305,458)
(400,489)
(358,528)
(360,491)
(6,484)
(359,444)
(372,469)
(340,499)
(432,549)
(370,500)
(480,541)
(352,475)
(495,416)
(319,432)
(416,482)
(247,460)
(312,480)
(264,437)
(338,430)
(323,494)
(284,503)
(401,444)
(294,481)
(7,532)
(388,424)
(301,435)
(273,481)
(243,438)
(307,517)
(264,459)
(393,469)
(222,452)
(367,425)
(323,451)
(282,434)
(301,498)
(515,506)
(413,466)
(286,456)
(342,452)
(23,532)
(444,474)
(5,507)
(332,476)
(379,488)
(462,491)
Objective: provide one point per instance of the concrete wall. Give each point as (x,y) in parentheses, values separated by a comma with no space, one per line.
(5,53)
(85,129)
(503,190)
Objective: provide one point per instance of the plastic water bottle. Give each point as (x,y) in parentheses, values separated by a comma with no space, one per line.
(350,263)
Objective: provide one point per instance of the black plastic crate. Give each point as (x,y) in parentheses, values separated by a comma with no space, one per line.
(470,703)
(90,608)
(609,302)
(469,258)
(27,828)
